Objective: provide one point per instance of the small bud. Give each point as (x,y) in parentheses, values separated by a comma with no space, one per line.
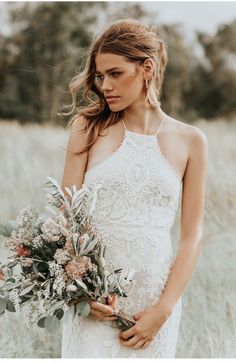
(72,288)
(102,261)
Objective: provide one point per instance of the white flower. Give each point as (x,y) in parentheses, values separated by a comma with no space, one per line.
(26,217)
(14,297)
(72,288)
(37,242)
(59,283)
(51,230)
(61,256)
(54,268)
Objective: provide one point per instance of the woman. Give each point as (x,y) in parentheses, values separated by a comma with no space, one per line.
(144,159)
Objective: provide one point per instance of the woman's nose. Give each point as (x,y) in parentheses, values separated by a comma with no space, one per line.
(106,84)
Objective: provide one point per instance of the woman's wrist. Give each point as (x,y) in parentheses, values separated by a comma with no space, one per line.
(163,309)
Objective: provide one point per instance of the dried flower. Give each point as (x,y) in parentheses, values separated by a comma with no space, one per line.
(26,217)
(26,261)
(37,242)
(78,267)
(61,256)
(51,230)
(22,251)
(84,238)
(68,246)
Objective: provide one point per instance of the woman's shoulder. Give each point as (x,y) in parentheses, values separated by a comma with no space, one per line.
(79,123)
(191,133)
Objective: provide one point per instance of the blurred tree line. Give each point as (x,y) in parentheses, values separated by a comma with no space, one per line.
(46,48)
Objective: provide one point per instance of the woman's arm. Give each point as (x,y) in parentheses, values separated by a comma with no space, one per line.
(192,215)
(75,164)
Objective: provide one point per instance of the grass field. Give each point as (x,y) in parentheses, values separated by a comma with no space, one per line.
(208,326)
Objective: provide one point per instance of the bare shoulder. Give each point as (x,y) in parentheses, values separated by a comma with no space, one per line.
(193,136)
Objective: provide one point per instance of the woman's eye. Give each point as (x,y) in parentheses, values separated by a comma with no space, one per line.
(115,74)
(98,77)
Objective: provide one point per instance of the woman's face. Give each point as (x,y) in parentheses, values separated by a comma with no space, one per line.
(115,76)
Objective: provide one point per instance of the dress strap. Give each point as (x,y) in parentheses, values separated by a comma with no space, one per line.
(162,120)
(124,125)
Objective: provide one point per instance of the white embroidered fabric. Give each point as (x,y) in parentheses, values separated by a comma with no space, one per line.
(135,210)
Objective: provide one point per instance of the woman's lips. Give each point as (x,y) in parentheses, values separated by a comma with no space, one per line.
(112,99)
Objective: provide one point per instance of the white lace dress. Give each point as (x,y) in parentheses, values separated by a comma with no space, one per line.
(134,213)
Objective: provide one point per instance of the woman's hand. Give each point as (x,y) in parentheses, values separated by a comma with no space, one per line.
(148,323)
(103,311)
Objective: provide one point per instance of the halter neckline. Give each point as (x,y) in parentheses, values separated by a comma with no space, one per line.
(136,133)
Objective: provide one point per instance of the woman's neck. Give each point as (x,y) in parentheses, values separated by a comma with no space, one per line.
(142,118)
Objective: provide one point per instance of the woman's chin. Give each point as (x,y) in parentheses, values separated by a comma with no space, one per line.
(115,108)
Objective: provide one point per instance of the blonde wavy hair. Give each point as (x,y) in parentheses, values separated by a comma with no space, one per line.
(134,41)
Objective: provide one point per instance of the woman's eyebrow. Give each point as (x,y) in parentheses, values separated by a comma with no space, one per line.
(109,70)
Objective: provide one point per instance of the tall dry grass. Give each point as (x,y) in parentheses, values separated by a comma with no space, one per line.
(208,326)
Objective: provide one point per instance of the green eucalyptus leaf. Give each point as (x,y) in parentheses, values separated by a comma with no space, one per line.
(11,279)
(89,246)
(41,275)
(81,284)
(10,306)
(11,286)
(35,269)
(83,308)
(26,290)
(59,313)
(10,272)
(41,322)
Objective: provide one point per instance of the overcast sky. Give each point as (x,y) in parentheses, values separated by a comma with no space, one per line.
(194,15)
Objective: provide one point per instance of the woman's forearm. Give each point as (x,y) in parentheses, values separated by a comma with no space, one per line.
(180,274)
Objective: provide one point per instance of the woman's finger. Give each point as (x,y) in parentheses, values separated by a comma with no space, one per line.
(112,301)
(145,345)
(130,342)
(139,344)
(102,307)
(96,314)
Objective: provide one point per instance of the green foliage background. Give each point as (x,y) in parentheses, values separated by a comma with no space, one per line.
(46,48)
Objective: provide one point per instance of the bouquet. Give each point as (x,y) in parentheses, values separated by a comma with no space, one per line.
(60,260)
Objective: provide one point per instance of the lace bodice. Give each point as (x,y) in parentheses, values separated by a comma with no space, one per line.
(140,187)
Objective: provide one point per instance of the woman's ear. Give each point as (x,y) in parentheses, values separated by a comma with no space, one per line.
(148,68)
